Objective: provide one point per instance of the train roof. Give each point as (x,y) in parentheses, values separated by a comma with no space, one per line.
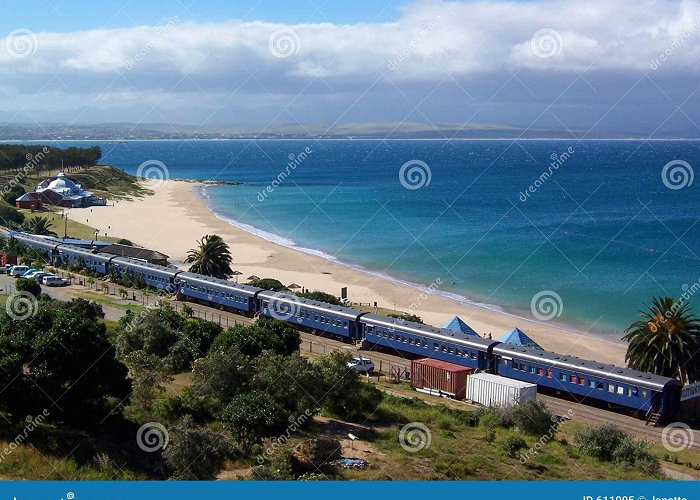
(209,280)
(43,242)
(428,330)
(143,265)
(84,251)
(577,364)
(346,312)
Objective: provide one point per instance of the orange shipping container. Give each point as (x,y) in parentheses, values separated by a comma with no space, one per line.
(439,377)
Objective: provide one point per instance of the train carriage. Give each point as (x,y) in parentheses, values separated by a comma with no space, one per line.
(231,296)
(77,256)
(47,245)
(635,390)
(427,341)
(159,277)
(317,317)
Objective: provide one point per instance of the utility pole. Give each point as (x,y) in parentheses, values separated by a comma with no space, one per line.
(65,227)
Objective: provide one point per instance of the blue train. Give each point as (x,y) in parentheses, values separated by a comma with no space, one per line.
(584,380)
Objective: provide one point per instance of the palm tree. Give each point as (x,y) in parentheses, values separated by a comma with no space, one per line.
(211,258)
(40,225)
(665,341)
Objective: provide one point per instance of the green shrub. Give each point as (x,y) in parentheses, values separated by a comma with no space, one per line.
(637,453)
(600,442)
(490,435)
(513,445)
(533,417)
(251,416)
(28,285)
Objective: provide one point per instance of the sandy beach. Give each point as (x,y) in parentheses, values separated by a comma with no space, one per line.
(175,217)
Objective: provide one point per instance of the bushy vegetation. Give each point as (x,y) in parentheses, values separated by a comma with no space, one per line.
(269,284)
(321,297)
(414,318)
(533,417)
(264,334)
(12,194)
(609,443)
(28,285)
(15,156)
(10,216)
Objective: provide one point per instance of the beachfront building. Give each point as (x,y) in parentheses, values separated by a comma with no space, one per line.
(63,192)
(150,256)
(28,201)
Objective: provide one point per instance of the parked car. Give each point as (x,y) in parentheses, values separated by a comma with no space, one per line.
(44,278)
(55,281)
(18,271)
(38,277)
(31,273)
(5,269)
(362,365)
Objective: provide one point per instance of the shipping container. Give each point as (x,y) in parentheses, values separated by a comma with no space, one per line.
(439,378)
(488,389)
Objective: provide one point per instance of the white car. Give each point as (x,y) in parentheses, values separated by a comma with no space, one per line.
(55,281)
(47,276)
(17,271)
(362,365)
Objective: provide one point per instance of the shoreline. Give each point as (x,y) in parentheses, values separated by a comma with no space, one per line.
(177,215)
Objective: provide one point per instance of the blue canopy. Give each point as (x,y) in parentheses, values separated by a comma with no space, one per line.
(457,325)
(517,337)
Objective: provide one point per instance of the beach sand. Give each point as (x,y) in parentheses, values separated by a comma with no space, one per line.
(175,217)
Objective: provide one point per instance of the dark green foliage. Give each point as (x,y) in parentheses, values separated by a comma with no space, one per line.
(124,241)
(278,469)
(212,257)
(665,341)
(14,157)
(82,308)
(321,297)
(345,395)
(533,417)
(253,415)
(219,377)
(57,356)
(269,284)
(12,194)
(406,317)
(264,334)
(40,225)
(10,216)
(195,452)
(513,445)
(28,285)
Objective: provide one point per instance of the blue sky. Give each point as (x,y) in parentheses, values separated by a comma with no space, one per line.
(75,15)
(580,67)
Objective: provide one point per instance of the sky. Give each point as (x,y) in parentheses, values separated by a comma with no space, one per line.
(586,68)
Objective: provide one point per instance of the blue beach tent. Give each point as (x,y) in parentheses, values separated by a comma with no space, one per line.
(457,325)
(517,337)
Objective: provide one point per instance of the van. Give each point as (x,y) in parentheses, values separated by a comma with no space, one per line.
(55,281)
(18,270)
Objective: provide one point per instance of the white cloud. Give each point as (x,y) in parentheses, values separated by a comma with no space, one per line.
(432,42)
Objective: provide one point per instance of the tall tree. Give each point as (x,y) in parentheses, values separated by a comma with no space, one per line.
(40,225)
(212,257)
(665,341)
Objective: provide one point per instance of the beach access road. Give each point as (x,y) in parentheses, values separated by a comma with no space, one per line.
(314,346)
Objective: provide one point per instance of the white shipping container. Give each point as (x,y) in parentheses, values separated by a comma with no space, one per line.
(488,389)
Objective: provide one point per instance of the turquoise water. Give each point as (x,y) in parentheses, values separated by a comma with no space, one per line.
(602,231)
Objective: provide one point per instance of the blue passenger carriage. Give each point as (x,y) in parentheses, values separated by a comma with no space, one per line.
(82,257)
(231,296)
(153,275)
(426,341)
(635,390)
(48,246)
(317,317)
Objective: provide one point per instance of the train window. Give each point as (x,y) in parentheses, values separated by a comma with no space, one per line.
(573,379)
(582,381)
(620,389)
(629,392)
(549,373)
(635,392)
(436,347)
(450,350)
(600,386)
(562,377)
(514,364)
(539,371)
(458,352)
(443,348)
(611,388)
(522,367)
(644,393)
(345,325)
(315,317)
(425,344)
(531,369)
(591,384)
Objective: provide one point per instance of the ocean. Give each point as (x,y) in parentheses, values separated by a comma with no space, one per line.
(582,233)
